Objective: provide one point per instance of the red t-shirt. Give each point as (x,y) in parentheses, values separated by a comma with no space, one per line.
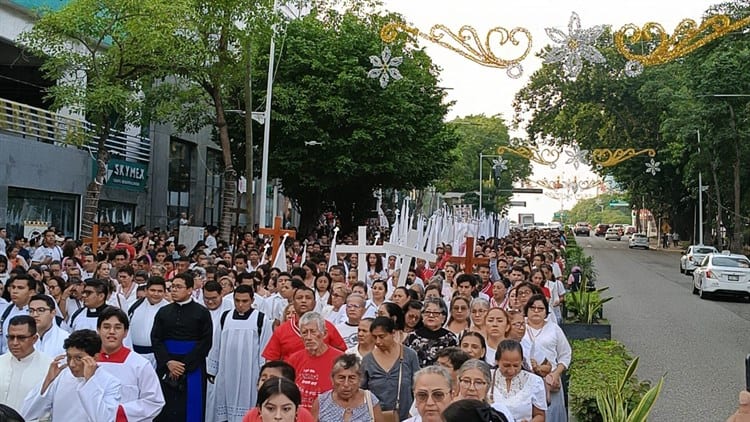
(286,341)
(313,373)
(303,415)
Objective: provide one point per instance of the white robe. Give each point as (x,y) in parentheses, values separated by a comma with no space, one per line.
(235,360)
(75,399)
(141,324)
(211,388)
(142,398)
(17,378)
(51,343)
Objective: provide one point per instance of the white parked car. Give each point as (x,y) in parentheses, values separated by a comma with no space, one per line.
(638,240)
(693,255)
(722,273)
(612,234)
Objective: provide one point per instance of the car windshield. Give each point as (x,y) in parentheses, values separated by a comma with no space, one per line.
(705,250)
(730,261)
(639,235)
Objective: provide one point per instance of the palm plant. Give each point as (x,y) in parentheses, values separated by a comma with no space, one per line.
(613,404)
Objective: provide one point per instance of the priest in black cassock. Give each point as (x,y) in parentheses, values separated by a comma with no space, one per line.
(181,339)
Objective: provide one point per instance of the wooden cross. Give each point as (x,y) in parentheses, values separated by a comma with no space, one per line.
(361,249)
(94,240)
(277,232)
(469,260)
(407,254)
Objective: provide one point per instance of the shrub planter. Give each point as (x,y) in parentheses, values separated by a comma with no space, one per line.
(579,331)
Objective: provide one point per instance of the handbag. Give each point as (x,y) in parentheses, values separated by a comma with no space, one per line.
(393,415)
(370,410)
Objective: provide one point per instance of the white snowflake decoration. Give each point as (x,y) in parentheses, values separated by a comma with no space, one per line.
(576,156)
(385,67)
(499,165)
(633,68)
(576,45)
(653,167)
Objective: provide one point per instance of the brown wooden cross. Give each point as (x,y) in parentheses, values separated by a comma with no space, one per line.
(469,260)
(94,240)
(278,233)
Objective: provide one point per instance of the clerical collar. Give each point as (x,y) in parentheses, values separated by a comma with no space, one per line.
(94,313)
(28,358)
(117,357)
(238,315)
(185,302)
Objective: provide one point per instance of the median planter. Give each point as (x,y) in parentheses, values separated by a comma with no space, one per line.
(582,331)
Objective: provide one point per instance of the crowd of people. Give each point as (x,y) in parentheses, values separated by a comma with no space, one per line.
(144,329)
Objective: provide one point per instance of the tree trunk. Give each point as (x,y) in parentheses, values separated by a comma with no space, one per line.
(229,189)
(719,220)
(736,244)
(94,189)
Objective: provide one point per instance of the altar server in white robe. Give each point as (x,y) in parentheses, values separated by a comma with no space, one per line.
(235,359)
(142,398)
(23,367)
(216,306)
(78,390)
(51,337)
(142,317)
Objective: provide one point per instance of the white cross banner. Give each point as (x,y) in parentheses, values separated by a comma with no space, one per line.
(361,249)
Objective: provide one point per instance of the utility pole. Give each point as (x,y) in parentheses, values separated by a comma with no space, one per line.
(249,171)
(700,196)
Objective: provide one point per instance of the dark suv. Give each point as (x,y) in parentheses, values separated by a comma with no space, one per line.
(582,229)
(601,229)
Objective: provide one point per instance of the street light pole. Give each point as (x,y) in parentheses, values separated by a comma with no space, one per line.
(249,171)
(700,196)
(481,156)
(267,126)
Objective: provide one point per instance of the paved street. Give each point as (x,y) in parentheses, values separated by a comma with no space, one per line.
(700,345)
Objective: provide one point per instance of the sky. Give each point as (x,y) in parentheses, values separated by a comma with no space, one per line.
(482,90)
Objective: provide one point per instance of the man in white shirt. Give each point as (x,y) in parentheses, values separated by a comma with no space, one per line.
(78,391)
(48,251)
(24,367)
(142,317)
(21,287)
(142,398)
(51,337)
(355,308)
(94,301)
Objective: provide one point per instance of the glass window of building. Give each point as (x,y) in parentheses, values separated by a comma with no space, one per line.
(29,210)
(212,203)
(117,214)
(178,185)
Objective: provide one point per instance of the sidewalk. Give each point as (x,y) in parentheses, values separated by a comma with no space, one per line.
(656,245)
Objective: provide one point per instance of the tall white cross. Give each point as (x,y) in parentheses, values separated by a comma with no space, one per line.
(407,253)
(361,249)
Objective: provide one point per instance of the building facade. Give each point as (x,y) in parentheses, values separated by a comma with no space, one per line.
(47,159)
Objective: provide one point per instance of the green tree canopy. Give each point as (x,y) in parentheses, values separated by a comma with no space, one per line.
(369,137)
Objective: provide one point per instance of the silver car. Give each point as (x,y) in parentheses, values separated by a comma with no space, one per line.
(722,273)
(693,255)
(638,240)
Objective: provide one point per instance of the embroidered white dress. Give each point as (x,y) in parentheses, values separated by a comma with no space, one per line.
(526,392)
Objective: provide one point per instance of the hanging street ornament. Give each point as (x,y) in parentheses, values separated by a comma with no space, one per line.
(576,156)
(605,157)
(663,48)
(499,165)
(543,156)
(653,167)
(385,67)
(468,43)
(575,46)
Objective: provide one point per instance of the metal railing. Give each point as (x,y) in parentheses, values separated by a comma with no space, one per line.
(53,128)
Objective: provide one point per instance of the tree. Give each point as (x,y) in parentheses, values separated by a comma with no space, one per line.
(99,52)
(479,134)
(369,137)
(215,38)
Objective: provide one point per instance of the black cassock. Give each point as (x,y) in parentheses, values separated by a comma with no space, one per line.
(182,333)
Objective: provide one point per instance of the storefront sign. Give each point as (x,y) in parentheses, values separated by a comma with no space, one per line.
(125,175)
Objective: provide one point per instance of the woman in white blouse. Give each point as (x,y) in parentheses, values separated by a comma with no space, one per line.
(520,391)
(548,342)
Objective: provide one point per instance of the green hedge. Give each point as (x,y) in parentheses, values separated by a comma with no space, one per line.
(596,364)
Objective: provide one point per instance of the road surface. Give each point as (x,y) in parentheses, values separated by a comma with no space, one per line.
(699,345)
